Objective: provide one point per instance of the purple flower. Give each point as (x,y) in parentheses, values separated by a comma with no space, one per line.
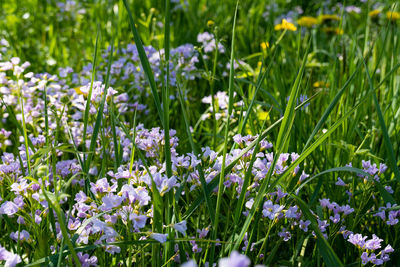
(335,219)
(23,235)
(285,235)
(389,189)
(180,227)
(73,224)
(270,210)
(234,260)
(162,238)
(388,249)
(203,233)
(113,249)
(303,176)
(9,208)
(322,225)
(357,240)
(22,186)
(139,221)
(292,212)
(80,197)
(340,182)
(381,214)
(373,243)
(10,258)
(111,201)
(346,209)
(392,218)
(86,260)
(382,168)
(190,263)
(304,225)
(364,258)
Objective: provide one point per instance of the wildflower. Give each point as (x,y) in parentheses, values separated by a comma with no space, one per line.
(285,235)
(10,258)
(162,238)
(111,201)
(195,247)
(333,30)
(364,258)
(86,260)
(353,9)
(335,218)
(292,212)
(73,224)
(139,221)
(22,186)
(264,45)
(373,243)
(270,210)
(203,233)
(340,182)
(374,13)
(304,225)
(234,260)
(80,197)
(285,25)
(346,209)
(303,176)
(306,21)
(180,227)
(113,249)
(322,225)
(321,84)
(393,15)
(9,208)
(389,189)
(23,235)
(190,263)
(392,218)
(328,17)
(382,168)
(357,240)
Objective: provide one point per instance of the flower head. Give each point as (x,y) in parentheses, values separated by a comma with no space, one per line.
(285,25)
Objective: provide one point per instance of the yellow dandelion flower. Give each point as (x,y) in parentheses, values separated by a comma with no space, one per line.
(333,30)
(307,21)
(393,15)
(78,91)
(321,84)
(374,13)
(264,45)
(210,23)
(285,25)
(328,17)
(263,115)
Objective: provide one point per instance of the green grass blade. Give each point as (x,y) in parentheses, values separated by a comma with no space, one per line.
(203,182)
(99,116)
(89,96)
(145,62)
(260,80)
(329,109)
(213,183)
(230,107)
(283,137)
(388,143)
(329,256)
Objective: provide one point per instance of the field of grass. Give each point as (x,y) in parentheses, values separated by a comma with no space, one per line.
(283,121)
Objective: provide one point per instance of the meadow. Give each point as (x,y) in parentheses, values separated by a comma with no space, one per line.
(199,133)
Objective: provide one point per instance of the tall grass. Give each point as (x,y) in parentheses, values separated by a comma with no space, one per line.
(351,113)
